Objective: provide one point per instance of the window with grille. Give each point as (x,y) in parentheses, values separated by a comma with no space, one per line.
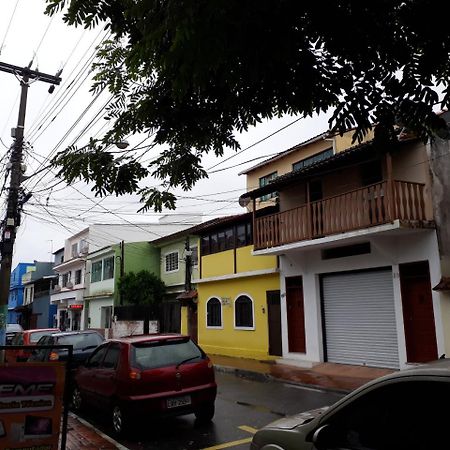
(214,313)
(243,312)
(194,257)
(313,159)
(172,262)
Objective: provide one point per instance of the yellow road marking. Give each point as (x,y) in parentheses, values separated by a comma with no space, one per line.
(235,443)
(248,429)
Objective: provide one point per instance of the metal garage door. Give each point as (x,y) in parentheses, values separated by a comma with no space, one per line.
(359,318)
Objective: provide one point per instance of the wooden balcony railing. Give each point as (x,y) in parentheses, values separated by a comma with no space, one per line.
(364,207)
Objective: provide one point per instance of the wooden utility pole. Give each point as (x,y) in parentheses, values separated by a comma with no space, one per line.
(15,200)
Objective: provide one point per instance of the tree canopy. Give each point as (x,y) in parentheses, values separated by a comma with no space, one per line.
(141,288)
(197,72)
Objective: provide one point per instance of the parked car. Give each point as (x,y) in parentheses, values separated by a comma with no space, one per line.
(28,337)
(11,330)
(400,411)
(138,376)
(83,342)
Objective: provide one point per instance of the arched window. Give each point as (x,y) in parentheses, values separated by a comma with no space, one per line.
(213,313)
(243,312)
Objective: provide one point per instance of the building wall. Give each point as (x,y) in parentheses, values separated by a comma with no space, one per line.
(178,278)
(41,306)
(95,309)
(218,264)
(387,251)
(228,340)
(245,262)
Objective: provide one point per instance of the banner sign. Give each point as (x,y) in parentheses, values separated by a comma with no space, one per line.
(31,401)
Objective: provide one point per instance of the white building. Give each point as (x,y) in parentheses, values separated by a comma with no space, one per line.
(72,286)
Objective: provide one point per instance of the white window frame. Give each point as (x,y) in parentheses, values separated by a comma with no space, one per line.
(221,313)
(253,312)
(177,259)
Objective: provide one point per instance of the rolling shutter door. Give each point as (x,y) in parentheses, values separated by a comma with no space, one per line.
(359,318)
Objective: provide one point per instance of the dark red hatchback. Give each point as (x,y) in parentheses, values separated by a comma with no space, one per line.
(160,374)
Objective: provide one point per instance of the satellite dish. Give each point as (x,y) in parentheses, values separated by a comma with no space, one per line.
(244,201)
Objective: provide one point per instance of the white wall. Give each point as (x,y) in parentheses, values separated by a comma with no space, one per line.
(95,310)
(386,251)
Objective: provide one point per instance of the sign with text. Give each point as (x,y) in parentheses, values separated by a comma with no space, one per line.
(31,401)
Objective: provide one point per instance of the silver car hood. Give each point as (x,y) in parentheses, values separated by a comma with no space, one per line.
(290,422)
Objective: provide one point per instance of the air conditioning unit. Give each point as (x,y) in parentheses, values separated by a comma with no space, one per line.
(69,285)
(56,287)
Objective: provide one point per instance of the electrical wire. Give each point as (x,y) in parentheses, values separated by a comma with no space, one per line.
(8,27)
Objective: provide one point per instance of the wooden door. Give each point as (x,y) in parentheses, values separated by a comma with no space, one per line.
(192,321)
(274,323)
(295,315)
(418,314)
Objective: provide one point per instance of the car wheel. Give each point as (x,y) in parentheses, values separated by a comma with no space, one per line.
(205,413)
(77,401)
(118,420)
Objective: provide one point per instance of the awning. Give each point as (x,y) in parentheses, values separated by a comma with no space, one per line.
(443,285)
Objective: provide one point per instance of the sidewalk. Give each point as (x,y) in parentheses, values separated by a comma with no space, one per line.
(337,377)
(83,435)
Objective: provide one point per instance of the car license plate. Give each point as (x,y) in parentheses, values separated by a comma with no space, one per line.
(178,401)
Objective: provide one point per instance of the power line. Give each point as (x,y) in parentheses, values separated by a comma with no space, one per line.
(9,25)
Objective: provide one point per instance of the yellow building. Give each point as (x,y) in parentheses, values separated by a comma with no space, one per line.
(238,294)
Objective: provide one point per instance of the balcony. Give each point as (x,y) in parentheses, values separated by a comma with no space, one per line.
(365,207)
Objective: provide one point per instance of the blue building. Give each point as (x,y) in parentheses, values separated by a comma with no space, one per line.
(37,312)
(16,288)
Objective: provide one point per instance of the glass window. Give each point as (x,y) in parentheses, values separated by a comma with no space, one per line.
(229,238)
(313,159)
(243,312)
(240,235)
(150,355)
(214,313)
(172,262)
(74,250)
(78,277)
(65,278)
(108,268)
(96,271)
(205,245)
(264,181)
(214,248)
(34,337)
(97,357)
(112,357)
(221,241)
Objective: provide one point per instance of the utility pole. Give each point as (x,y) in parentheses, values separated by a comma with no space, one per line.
(15,199)
(188,264)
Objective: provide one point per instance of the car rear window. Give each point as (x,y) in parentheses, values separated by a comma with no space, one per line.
(150,355)
(34,337)
(81,341)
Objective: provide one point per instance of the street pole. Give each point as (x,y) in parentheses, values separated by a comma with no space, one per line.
(188,264)
(12,218)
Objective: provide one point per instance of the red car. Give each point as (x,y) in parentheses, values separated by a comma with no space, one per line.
(27,337)
(160,374)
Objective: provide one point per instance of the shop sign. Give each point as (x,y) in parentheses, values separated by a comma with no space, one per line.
(31,402)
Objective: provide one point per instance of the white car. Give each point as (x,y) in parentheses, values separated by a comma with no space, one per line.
(11,330)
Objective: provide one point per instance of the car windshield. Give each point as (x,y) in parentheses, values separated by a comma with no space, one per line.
(149,355)
(36,335)
(81,341)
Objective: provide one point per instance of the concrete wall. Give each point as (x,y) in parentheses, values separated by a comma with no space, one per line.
(95,306)
(387,251)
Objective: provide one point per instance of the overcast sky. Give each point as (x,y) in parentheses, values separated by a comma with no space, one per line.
(72,114)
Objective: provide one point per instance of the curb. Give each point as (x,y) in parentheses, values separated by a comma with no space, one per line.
(265,377)
(100,433)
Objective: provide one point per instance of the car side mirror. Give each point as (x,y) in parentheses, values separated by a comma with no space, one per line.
(323,437)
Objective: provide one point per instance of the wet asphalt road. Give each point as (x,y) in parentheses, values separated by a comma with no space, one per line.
(242,406)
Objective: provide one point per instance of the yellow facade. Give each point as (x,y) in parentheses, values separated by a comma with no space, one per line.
(260,277)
